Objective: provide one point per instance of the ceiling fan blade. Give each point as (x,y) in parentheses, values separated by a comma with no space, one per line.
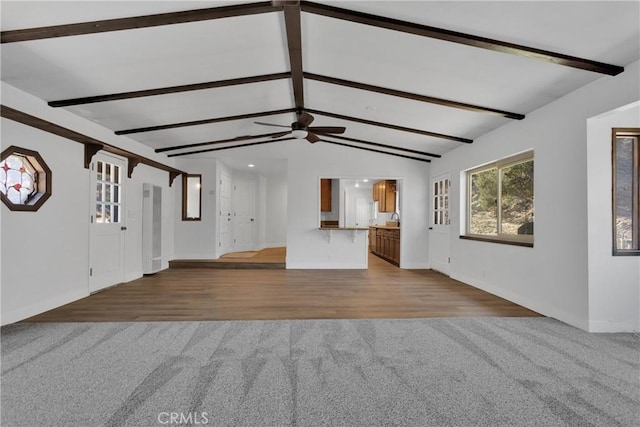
(312,137)
(271,124)
(327,129)
(305,119)
(279,134)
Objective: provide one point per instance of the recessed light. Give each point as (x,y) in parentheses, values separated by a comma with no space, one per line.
(365,180)
(251,165)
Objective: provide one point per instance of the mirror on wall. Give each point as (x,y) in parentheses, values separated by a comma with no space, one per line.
(358,202)
(191,197)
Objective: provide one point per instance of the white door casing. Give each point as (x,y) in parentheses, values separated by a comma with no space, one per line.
(224,243)
(107,222)
(439,224)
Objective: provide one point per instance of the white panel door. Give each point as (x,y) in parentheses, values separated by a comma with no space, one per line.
(107,227)
(224,242)
(363,212)
(243,199)
(439,224)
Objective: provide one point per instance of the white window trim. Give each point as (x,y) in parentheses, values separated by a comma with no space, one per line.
(525,239)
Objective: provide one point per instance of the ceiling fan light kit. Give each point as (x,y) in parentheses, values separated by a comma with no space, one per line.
(299,133)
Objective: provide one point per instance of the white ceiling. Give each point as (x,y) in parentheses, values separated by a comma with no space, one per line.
(149,58)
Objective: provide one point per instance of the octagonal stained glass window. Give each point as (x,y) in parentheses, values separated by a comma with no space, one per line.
(25,179)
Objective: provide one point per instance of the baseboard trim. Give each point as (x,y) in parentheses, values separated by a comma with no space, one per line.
(42,306)
(415,265)
(600,326)
(537,306)
(293,265)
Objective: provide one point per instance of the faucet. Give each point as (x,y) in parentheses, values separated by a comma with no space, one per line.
(397,217)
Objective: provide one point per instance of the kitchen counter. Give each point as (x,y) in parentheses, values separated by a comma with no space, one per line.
(386,227)
(344,228)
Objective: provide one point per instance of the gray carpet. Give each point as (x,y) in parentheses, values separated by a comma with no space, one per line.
(417,372)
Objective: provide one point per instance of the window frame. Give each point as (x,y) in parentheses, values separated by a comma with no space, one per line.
(526,240)
(185,190)
(43,178)
(115,185)
(635,191)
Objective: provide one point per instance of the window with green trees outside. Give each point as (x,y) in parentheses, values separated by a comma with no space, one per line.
(500,200)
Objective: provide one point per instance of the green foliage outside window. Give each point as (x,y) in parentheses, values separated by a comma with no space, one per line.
(501,199)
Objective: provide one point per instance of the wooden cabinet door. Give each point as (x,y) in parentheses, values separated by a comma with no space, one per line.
(372,239)
(325,195)
(395,252)
(390,196)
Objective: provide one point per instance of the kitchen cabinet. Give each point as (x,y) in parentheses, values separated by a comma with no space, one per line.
(372,239)
(325,195)
(385,243)
(384,192)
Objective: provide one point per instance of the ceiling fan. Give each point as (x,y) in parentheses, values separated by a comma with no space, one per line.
(301,130)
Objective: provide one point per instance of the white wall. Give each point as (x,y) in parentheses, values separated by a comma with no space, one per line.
(614,281)
(276,212)
(552,277)
(133,220)
(45,260)
(309,247)
(197,239)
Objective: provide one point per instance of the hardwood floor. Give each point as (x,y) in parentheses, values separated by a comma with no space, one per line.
(383,291)
(266,258)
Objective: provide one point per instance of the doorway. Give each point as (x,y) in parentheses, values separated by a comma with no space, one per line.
(224,243)
(440,224)
(107,226)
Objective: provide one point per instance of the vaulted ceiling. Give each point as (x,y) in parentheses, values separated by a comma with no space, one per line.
(415,79)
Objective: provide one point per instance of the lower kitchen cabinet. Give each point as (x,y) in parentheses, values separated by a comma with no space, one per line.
(385,242)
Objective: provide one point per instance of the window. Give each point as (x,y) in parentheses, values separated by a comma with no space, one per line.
(25,179)
(626,191)
(441,202)
(500,204)
(108,193)
(191,197)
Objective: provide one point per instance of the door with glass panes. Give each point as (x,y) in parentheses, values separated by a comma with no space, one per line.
(440,224)
(107,226)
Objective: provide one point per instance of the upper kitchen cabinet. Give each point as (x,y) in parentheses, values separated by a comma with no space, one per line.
(384,192)
(325,195)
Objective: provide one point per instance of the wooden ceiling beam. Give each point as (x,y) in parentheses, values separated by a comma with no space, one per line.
(377,144)
(373,150)
(391,126)
(169,90)
(413,96)
(204,121)
(91,145)
(220,141)
(461,38)
(250,144)
(294,44)
(131,23)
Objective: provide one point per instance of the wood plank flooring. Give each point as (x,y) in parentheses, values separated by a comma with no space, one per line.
(266,258)
(383,291)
